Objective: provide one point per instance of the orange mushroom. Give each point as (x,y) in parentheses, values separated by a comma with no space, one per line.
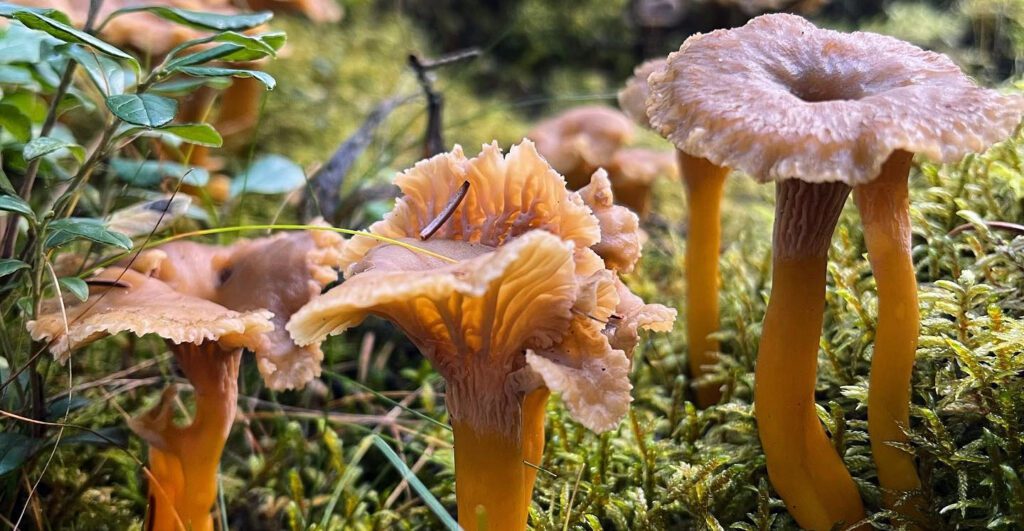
(819,115)
(517,310)
(633,172)
(279,273)
(207,341)
(581,140)
(657,105)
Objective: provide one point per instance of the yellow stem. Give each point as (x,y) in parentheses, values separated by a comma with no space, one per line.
(534,407)
(885,213)
(803,465)
(705,183)
(187,468)
(490,480)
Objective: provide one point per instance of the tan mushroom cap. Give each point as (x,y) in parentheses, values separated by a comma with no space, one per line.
(279,273)
(641,166)
(633,97)
(508,196)
(620,228)
(780,98)
(472,319)
(145,306)
(582,139)
(633,315)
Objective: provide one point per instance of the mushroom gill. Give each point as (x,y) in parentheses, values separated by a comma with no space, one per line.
(207,341)
(819,115)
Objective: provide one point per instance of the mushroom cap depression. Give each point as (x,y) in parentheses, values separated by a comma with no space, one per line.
(580,140)
(145,306)
(508,196)
(633,97)
(780,98)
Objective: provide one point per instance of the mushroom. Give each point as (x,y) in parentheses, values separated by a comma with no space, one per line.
(821,114)
(206,340)
(581,140)
(633,171)
(705,184)
(518,312)
(279,273)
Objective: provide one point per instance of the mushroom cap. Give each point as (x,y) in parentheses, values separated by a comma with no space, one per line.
(508,196)
(472,319)
(782,99)
(641,166)
(145,306)
(620,228)
(633,97)
(582,139)
(633,315)
(279,273)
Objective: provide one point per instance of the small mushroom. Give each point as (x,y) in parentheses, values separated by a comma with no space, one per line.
(819,115)
(619,246)
(206,340)
(279,273)
(633,172)
(581,140)
(518,312)
(705,185)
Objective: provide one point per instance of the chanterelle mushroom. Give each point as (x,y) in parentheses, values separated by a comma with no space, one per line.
(633,172)
(207,341)
(279,273)
(818,114)
(519,306)
(581,140)
(705,184)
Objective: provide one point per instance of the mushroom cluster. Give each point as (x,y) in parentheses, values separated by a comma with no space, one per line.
(581,140)
(518,297)
(208,303)
(819,116)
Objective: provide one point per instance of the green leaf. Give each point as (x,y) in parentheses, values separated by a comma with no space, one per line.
(5,184)
(205,56)
(147,110)
(208,21)
(15,449)
(10,265)
(417,485)
(108,75)
(152,172)
(22,45)
(15,122)
(270,174)
(18,75)
(45,145)
(112,436)
(200,134)
(266,43)
(67,230)
(10,10)
(215,71)
(75,286)
(186,86)
(66,33)
(13,203)
(29,103)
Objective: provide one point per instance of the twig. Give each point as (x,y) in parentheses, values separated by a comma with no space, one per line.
(998,225)
(330,177)
(446,212)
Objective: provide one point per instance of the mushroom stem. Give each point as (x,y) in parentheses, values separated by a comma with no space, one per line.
(490,479)
(803,465)
(885,213)
(185,460)
(705,183)
(534,407)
